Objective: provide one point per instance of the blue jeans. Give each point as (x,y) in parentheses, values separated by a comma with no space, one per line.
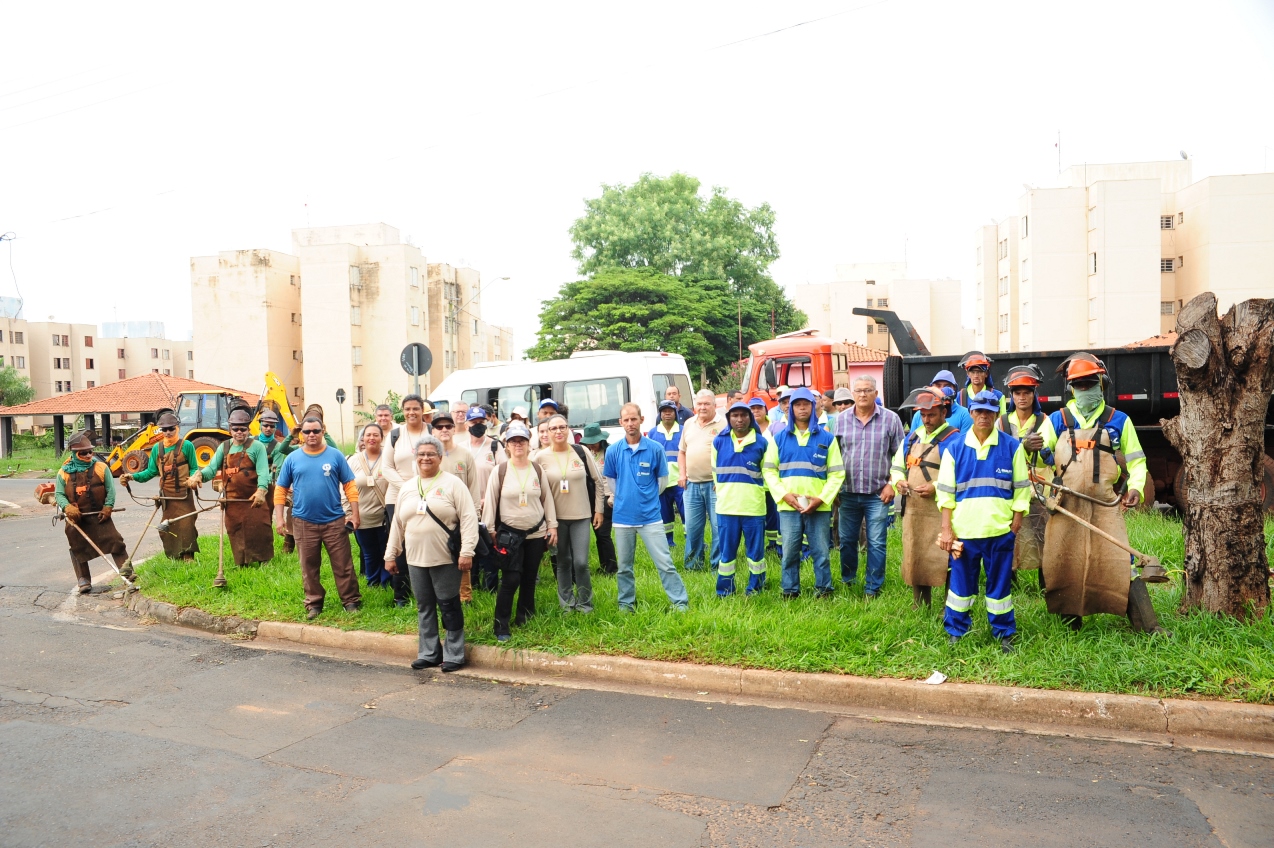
(817,529)
(701,510)
(652,536)
(854,509)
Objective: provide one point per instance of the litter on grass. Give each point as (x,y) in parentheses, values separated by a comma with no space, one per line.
(935,678)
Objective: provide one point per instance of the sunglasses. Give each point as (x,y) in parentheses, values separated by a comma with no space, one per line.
(238,429)
(167,429)
(266,426)
(841,402)
(311,432)
(559,427)
(83,452)
(444,426)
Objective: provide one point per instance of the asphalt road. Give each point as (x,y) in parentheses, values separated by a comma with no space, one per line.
(119,732)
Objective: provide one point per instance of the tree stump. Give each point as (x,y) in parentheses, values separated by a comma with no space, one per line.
(1225,374)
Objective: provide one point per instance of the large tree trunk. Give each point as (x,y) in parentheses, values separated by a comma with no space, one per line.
(1225,374)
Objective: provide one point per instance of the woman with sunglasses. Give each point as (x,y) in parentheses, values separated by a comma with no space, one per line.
(572,479)
(172,460)
(244,469)
(435,527)
(85,491)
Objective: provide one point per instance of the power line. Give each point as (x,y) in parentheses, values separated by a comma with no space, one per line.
(85,106)
(60,93)
(50,82)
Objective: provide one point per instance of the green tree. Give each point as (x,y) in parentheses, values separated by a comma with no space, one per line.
(635,309)
(14,388)
(664,224)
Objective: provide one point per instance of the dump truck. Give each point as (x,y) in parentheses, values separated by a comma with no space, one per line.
(203,418)
(1143,385)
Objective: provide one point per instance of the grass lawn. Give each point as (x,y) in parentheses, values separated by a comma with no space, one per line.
(1208,656)
(25,459)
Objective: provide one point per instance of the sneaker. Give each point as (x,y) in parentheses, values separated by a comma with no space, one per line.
(423,664)
(312,613)
(680,607)
(791,596)
(401,603)
(502,637)
(629,608)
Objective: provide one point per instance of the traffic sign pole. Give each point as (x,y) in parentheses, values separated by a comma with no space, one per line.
(340,404)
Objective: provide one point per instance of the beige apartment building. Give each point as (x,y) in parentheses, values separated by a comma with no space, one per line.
(932,306)
(463,339)
(247,319)
(1111,255)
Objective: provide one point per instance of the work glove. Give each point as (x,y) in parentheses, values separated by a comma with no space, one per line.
(72,513)
(1033,443)
(125,479)
(104,516)
(194,482)
(258,497)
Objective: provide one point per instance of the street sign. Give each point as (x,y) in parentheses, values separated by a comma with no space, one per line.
(340,396)
(340,401)
(416,359)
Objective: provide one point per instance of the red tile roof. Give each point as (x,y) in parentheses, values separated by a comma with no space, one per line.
(859,353)
(146,393)
(1165,340)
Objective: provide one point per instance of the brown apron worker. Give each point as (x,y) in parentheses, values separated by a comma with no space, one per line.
(1026,420)
(85,491)
(915,477)
(244,469)
(172,460)
(1098,454)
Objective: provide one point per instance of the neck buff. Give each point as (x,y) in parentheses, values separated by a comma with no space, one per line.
(1088,399)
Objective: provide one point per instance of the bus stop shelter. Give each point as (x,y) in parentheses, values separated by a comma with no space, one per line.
(144,395)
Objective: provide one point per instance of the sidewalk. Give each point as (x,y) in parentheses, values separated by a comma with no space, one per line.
(1198,725)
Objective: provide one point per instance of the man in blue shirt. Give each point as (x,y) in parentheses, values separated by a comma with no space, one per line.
(958,417)
(637,469)
(315,476)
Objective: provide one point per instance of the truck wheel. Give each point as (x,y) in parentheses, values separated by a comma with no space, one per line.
(135,461)
(204,447)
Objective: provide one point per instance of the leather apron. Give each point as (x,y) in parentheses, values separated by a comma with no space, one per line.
(87,491)
(923,562)
(251,534)
(182,537)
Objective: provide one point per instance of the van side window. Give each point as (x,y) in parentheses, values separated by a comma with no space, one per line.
(510,398)
(598,401)
(663,381)
(470,397)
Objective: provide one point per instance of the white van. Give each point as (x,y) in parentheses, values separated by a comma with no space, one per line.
(593,385)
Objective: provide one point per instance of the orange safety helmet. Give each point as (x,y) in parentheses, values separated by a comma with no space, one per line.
(1080,365)
(975,357)
(1024,375)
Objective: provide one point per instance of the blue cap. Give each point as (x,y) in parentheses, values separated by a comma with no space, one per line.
(475,412)
(804,394)
(984,400)
(517,430)
(667,404)
(760,401)
(739,405)
(553,403)
(948,391)
(944,375)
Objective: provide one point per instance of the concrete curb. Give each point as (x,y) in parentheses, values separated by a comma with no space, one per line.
(1206,724)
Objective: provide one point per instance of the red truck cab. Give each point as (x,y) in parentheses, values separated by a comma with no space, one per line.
(804,358)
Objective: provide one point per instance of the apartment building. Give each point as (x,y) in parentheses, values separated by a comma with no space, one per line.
(932,306)
(456,327)
(247,318)
(1111,255)
(14,349)
(133,348)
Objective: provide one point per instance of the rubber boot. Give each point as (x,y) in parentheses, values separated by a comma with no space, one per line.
(83,578)
(1141,613)
(921,595)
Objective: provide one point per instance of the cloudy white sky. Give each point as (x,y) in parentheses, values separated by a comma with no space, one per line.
(133,140)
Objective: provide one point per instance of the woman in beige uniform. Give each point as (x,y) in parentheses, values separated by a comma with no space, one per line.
(572,478)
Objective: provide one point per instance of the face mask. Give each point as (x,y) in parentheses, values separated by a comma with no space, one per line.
(478,430)
(1088,399)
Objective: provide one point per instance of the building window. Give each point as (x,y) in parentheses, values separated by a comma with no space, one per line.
(415,278)
(119,353)
(871,282)
(18,337)
(19,362)
(1092,309)
(871,327)
(190,356)
(295,356)
(358,392)
(190,374)
(57,386)
(978,251)
(1166,266)
(1026,270)
(294,279)
(356,356)
(1004,322)
(296,318)
(57,340)
(88,363)
(882,302)
(154,370)
(1026,313)
(475,326)
(122,374)
(154,353)
(167,373)
(1004,248)
(90,384)
(88,341)
(1026,226)
(869,303)
(415,316)
(167,354)
(1165,222)
(355,315)
(1167,307)
(296,391)
(1181,262)
(1092,263)
(355,276)
(1004,285)
(1181,218)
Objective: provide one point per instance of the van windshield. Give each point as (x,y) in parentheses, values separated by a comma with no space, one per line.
(510,398)
(596,401)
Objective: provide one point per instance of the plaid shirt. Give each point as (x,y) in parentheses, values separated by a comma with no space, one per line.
(867,449)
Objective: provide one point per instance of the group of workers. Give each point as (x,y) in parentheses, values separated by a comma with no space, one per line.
(974,476)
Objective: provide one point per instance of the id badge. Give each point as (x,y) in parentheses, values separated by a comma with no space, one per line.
(521,498)
(422,508)
(564,487)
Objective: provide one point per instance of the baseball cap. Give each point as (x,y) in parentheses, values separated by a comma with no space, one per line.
(843,395)
(548,402)
(944,375)
(444,416)
(522,413)
(739,405)
(475,412)
(667,404)
(517,431)
(784,392)
(757,400)
(984,400)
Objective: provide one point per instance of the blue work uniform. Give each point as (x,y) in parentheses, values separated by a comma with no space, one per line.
(736,466)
